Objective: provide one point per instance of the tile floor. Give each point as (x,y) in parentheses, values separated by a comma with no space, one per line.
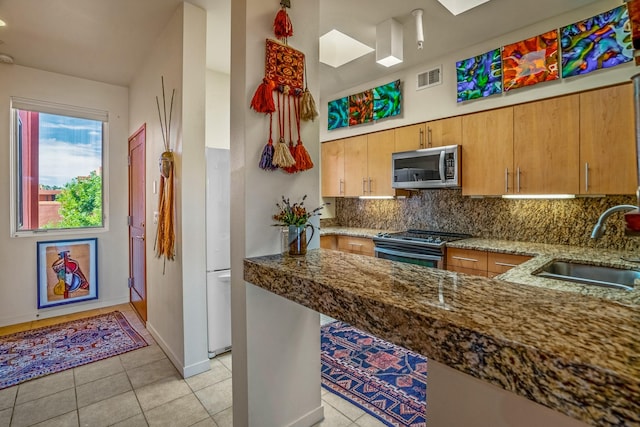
(139,388)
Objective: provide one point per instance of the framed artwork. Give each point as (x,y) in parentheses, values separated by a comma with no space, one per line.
(530,61)
(338,113)
(479,76)
(602,41)
(361,107)
(386,100)
(67,271)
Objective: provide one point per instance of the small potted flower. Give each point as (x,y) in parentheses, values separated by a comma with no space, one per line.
(296,217)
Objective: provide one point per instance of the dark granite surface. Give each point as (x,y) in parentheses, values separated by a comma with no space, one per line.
(576,354)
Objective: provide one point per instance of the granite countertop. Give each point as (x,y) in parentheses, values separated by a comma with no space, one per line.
(351,231)
(545,253)
(573,353)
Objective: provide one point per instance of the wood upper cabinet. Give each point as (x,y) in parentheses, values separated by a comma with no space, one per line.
(355,166)
(607,141)
(409,138)
(444,132)
(546,146)
(332,170)
(380,146)
(487,152)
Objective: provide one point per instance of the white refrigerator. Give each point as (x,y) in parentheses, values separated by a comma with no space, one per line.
(218,229)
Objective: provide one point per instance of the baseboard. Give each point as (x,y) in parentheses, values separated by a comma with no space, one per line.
(185,371)
(310,418)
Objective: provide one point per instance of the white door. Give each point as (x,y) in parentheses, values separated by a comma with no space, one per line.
(219,311)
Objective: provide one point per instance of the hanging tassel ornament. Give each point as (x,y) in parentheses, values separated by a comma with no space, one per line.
(293,168)
(262,100)
(301,155)
(308,110)
(266,160)
(282,27)
(282,156)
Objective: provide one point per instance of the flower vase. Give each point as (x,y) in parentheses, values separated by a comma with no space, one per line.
(298,239)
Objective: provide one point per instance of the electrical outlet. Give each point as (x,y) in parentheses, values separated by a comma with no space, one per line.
(156,214)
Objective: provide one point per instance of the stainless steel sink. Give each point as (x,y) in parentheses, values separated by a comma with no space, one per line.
(611,277)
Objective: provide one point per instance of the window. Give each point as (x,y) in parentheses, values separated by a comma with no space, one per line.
(58,166)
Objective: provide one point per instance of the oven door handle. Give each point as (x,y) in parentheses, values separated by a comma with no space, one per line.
(408,254)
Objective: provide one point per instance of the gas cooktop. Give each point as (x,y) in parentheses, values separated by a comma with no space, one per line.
(425,237)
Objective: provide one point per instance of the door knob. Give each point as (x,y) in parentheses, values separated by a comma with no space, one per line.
(139,237)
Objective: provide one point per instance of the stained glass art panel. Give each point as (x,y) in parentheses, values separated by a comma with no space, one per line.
(361,107)
(479,76)
(338,113)
(530,61)
(386,100)
(602,41)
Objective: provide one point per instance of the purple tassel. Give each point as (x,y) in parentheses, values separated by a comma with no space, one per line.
(266,160)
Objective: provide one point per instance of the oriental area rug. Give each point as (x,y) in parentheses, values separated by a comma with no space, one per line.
(387,381)
(43,351)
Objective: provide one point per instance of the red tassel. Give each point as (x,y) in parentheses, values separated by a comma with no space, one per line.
(282,26)
(262,100)
(303,159)
(294,167)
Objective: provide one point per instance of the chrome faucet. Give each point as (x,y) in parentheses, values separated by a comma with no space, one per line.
(599,228)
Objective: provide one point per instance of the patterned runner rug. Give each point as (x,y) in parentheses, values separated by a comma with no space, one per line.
(387,381)
(43,351)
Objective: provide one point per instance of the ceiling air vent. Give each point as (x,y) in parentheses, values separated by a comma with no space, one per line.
(430,78)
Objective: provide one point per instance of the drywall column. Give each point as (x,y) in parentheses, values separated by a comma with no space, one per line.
(276,349)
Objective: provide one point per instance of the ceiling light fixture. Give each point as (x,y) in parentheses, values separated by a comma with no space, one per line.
(417,13)
(456,7)
(389,43)
(336,49)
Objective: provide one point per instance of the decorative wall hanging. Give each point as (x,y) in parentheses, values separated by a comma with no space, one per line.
(530,61)
(361,108)
(284,80)
(165,234)
(602,41)
(479,76)
(386,100)
(633,7)
(67,271)
(338,113)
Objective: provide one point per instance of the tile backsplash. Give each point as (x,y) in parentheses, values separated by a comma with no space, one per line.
(566,222)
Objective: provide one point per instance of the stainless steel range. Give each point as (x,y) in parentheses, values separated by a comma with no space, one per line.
(422,247)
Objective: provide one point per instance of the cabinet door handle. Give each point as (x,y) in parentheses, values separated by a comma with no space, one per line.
(340,190)
(429,136)
(518,179)
(460,258)
(355,244)
(364,183)
(370,186)
(421,138)
(506,180)
(586,177)
(504,264)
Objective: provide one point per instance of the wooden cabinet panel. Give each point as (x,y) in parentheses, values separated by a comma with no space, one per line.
(329,242)
(356,245)
(467,258)
(498,263)
(487,153)
(332,170)
(470,271)
(546,146)
(355,166)
(444,132)
(607,141)
(409,138)
(380,146)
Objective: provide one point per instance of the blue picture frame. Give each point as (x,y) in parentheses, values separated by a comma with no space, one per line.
(67,271)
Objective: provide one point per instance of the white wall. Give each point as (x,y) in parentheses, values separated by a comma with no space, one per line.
(440,101)
(217,129)
(176,289)
(254,193)
(18,297)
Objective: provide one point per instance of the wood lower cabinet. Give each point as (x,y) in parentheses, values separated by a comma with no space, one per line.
(482,263)
(546,146)
(332,169)
(607,141)
(356,245)
(487,153)
(329,242)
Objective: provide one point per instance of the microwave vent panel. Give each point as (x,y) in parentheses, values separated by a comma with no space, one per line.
(430,78)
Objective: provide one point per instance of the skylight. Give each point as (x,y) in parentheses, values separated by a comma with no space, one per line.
(457,7)
(337,49)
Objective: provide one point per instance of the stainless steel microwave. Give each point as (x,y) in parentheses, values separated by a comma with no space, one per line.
(437,167)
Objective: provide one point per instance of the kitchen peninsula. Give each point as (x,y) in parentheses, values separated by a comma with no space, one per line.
(575,354)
